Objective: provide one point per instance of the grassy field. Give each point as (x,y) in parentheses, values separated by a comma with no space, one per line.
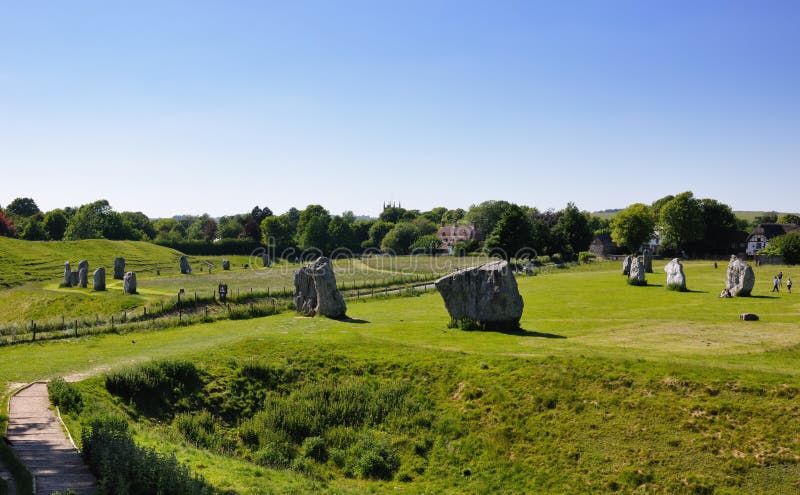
(31,273)
(609,387)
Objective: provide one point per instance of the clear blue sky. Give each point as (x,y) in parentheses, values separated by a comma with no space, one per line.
(188,107)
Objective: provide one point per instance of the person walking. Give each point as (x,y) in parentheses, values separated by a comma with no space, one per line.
(775,283)
(780,279)
(789,284)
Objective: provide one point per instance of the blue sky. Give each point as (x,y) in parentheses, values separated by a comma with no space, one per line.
(192,107)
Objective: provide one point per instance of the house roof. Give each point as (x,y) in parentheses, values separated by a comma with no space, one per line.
(770,230)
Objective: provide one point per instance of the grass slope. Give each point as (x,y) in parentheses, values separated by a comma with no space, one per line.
(609,388)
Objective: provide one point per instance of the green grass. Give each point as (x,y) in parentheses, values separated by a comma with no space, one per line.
(609,387)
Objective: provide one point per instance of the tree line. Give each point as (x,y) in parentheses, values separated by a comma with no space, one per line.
(682,222)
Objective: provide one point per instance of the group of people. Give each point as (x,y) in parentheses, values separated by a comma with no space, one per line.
(777,283)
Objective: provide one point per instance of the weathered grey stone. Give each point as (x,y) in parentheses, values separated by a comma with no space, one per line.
(266,260)
(83,273)
(67,275)
(626,265)
(740,278)
(315,290)
(186,269)
(129,283)
(636,274)
(119,268)
(487,294)
(675,275)
(647,257)
(99,282)
(226,264)
(73,278)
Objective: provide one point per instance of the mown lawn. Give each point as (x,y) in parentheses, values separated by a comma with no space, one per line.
(609,388)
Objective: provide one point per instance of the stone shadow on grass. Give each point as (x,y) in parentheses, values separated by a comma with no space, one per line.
(358,321)
(521,332)
(760,297)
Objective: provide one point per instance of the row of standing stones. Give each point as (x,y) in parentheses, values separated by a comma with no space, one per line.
(487,294)
(80,277)
(739,278)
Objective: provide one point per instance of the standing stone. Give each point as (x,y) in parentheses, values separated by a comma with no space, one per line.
(740,278)
(73,278)
(626,265)
(129,283)
(486,294)
(83,273)
(226,264)
(636,275)
(119,268)
(186,269)
(315,290)
(676,280)
(648,261)
(99,279)
(67,275)
(266,261)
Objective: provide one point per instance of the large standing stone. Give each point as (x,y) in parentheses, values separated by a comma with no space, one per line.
(186,269)
(647,257)
(226,264)
(486,294)
(83,273)
(740,278)
(636,275)
(266,261)
(119,268)
(626,265)
(676,280)
(99,279)
(67,275)
(315,290)
(129,283)
(73,278)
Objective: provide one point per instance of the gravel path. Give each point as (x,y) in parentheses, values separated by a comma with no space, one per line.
(39,441)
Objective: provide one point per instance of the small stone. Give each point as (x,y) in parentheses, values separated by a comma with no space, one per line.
(119,268)
(129,283)
(99,279)
(186,269)
(226,264)
(67,275)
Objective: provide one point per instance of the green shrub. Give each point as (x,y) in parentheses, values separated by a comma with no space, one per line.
(676,287)
(157,386)
(314,448)
(203,430)
(375,458)
(65,396)
(586,257)
(276,454)
(122,467)
(466,324)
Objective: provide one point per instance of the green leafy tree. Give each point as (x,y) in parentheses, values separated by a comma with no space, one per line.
(32,230)
(787,245)
(377,232)
(277,233)
(767,217)
(55,223)
(452,217)
(392,214)
(230,227)
(426,244)
(486,215)
(89,221)
(719,227)
(632,226)
(435,215)
(658,204)
(312,228)
(210,228)
(341,235)
(512,233)
(23,207)
(573,227)
(139,225)
(790,218)
(681,221)
(399,239)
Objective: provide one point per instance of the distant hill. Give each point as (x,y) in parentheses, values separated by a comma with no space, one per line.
(28,261)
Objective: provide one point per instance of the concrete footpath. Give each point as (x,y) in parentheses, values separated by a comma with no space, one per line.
(41,444)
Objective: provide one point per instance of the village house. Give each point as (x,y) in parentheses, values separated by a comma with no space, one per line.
(453,234)
(602,246)
(763,232)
